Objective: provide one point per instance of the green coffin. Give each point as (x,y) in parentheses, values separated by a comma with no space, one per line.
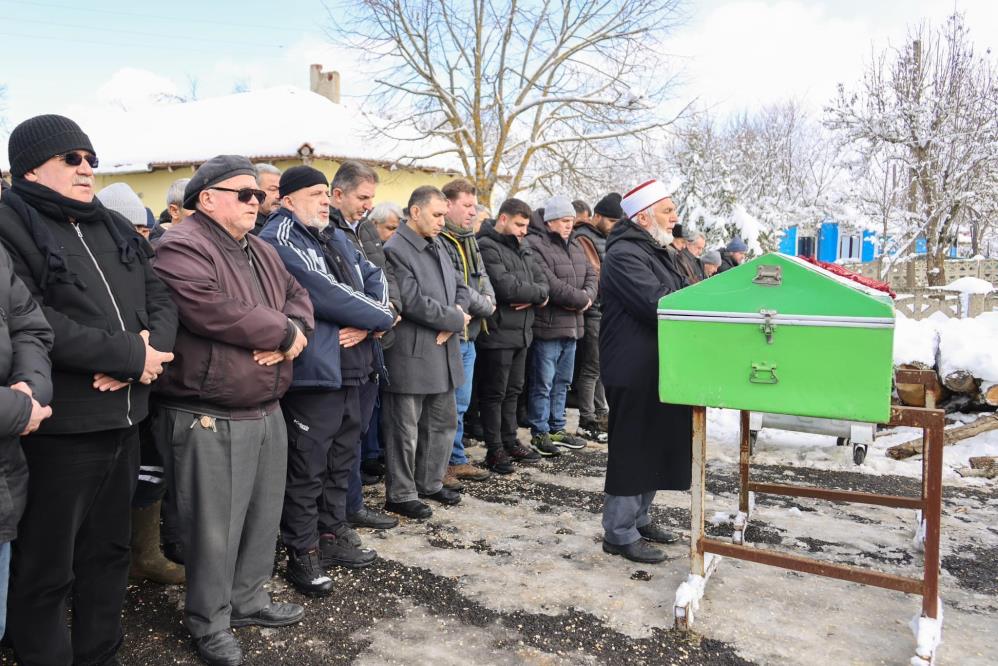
(778,335)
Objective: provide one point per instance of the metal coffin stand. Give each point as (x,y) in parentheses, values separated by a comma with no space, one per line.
(703,549)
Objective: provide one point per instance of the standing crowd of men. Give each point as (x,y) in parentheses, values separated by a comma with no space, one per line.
(176,395)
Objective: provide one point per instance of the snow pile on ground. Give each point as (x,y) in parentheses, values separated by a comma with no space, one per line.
(971,345)
(915,341)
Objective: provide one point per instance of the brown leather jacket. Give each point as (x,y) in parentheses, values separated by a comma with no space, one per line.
(226,312)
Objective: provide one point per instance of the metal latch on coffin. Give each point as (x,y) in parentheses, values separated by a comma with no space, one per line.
(768,275)
(767,326)
(763,373)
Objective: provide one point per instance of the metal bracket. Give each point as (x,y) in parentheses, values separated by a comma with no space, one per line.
(763,373)
(768,327)
(768,275)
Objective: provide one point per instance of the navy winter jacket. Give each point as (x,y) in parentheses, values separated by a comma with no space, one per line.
(361,301)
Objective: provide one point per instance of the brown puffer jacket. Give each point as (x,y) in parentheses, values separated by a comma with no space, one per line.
(226,312)
(572,283)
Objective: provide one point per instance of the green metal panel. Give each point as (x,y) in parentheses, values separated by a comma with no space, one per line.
(808,343)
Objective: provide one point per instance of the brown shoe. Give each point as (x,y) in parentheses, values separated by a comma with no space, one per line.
(468,472)
(451,482)
(147,561)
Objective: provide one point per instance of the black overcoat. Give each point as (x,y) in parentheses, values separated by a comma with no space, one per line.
(649,442)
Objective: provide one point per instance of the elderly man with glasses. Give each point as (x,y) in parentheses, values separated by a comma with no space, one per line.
(114,327)
(243,320)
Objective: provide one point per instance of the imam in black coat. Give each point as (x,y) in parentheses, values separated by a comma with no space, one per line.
(649,442)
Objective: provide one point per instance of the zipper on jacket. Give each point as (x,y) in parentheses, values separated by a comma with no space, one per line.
(128,389)
(258,285)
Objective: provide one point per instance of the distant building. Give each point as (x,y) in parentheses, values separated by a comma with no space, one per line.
(149,148)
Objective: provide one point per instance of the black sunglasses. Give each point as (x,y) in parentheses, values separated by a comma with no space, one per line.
(245,194)
(74,159)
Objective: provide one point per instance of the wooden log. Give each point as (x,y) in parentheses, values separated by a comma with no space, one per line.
(961,381)
(984,462)
(990,473)
(914,395)
(952,436)
(989,394)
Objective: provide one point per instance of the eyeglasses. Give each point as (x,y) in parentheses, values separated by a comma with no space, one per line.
(74,159)
(245,194)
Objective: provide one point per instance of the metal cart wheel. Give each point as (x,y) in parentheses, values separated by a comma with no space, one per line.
(752,437)
(843,441)
(859,453)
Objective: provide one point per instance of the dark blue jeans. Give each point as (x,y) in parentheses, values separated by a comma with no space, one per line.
(463,398)
(551,369)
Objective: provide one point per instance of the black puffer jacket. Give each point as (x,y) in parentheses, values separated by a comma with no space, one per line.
(571,284)
(516,278)
(25,341)
(97,324)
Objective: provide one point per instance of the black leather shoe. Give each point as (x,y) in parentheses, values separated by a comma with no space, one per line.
(411,509)
(277,614)
(174,552)
(652,532)
(373,466)
(305,572)
(639,551)
(338,552)
(444,496)
(368,517)
(219,649)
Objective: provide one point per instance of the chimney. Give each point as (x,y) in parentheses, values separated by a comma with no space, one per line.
(326,84)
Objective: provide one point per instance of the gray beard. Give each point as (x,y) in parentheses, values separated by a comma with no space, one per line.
(661,235)
(318,225)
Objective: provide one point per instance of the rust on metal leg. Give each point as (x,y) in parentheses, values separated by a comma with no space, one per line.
(932,515)
(837,495)
(813,566)
(743,464)
(697,489)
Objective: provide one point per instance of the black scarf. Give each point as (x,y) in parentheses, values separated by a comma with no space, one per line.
(29,200)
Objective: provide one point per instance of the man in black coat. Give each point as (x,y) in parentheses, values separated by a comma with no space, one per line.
(649,445)
(733,254)
(591,234)
(520,287)
(25,392)
(114,325)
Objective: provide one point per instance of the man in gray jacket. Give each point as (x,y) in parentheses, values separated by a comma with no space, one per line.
(419,414)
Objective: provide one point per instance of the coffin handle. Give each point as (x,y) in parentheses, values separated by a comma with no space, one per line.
(763,373)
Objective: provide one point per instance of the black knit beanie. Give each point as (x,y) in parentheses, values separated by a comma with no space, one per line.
(299,177)
(38,139)
(609,206)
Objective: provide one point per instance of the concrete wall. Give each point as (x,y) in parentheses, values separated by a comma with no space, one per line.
(394,186)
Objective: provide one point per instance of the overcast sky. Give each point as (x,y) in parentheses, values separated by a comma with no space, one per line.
(734,54)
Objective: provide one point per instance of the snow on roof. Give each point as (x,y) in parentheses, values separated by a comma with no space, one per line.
(266,124)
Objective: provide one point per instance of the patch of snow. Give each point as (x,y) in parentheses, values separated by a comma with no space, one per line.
(915,341)
(689,594)
(269,123)
(969,344)
(721,518)
(928,636)
(970,285)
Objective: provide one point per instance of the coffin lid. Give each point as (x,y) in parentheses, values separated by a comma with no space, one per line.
(805,289)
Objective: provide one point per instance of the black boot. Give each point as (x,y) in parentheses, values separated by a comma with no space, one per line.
(305,572)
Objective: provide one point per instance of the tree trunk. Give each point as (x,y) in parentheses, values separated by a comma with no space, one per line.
(961,381)
(935,266)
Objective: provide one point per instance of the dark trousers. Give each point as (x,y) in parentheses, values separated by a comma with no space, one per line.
(355,489)
(152,482)
(499,388)
(588,387)
(323,445)
(370,441)
(73,539)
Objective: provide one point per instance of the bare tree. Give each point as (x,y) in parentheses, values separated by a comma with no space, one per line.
(523,94)
(931,107)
